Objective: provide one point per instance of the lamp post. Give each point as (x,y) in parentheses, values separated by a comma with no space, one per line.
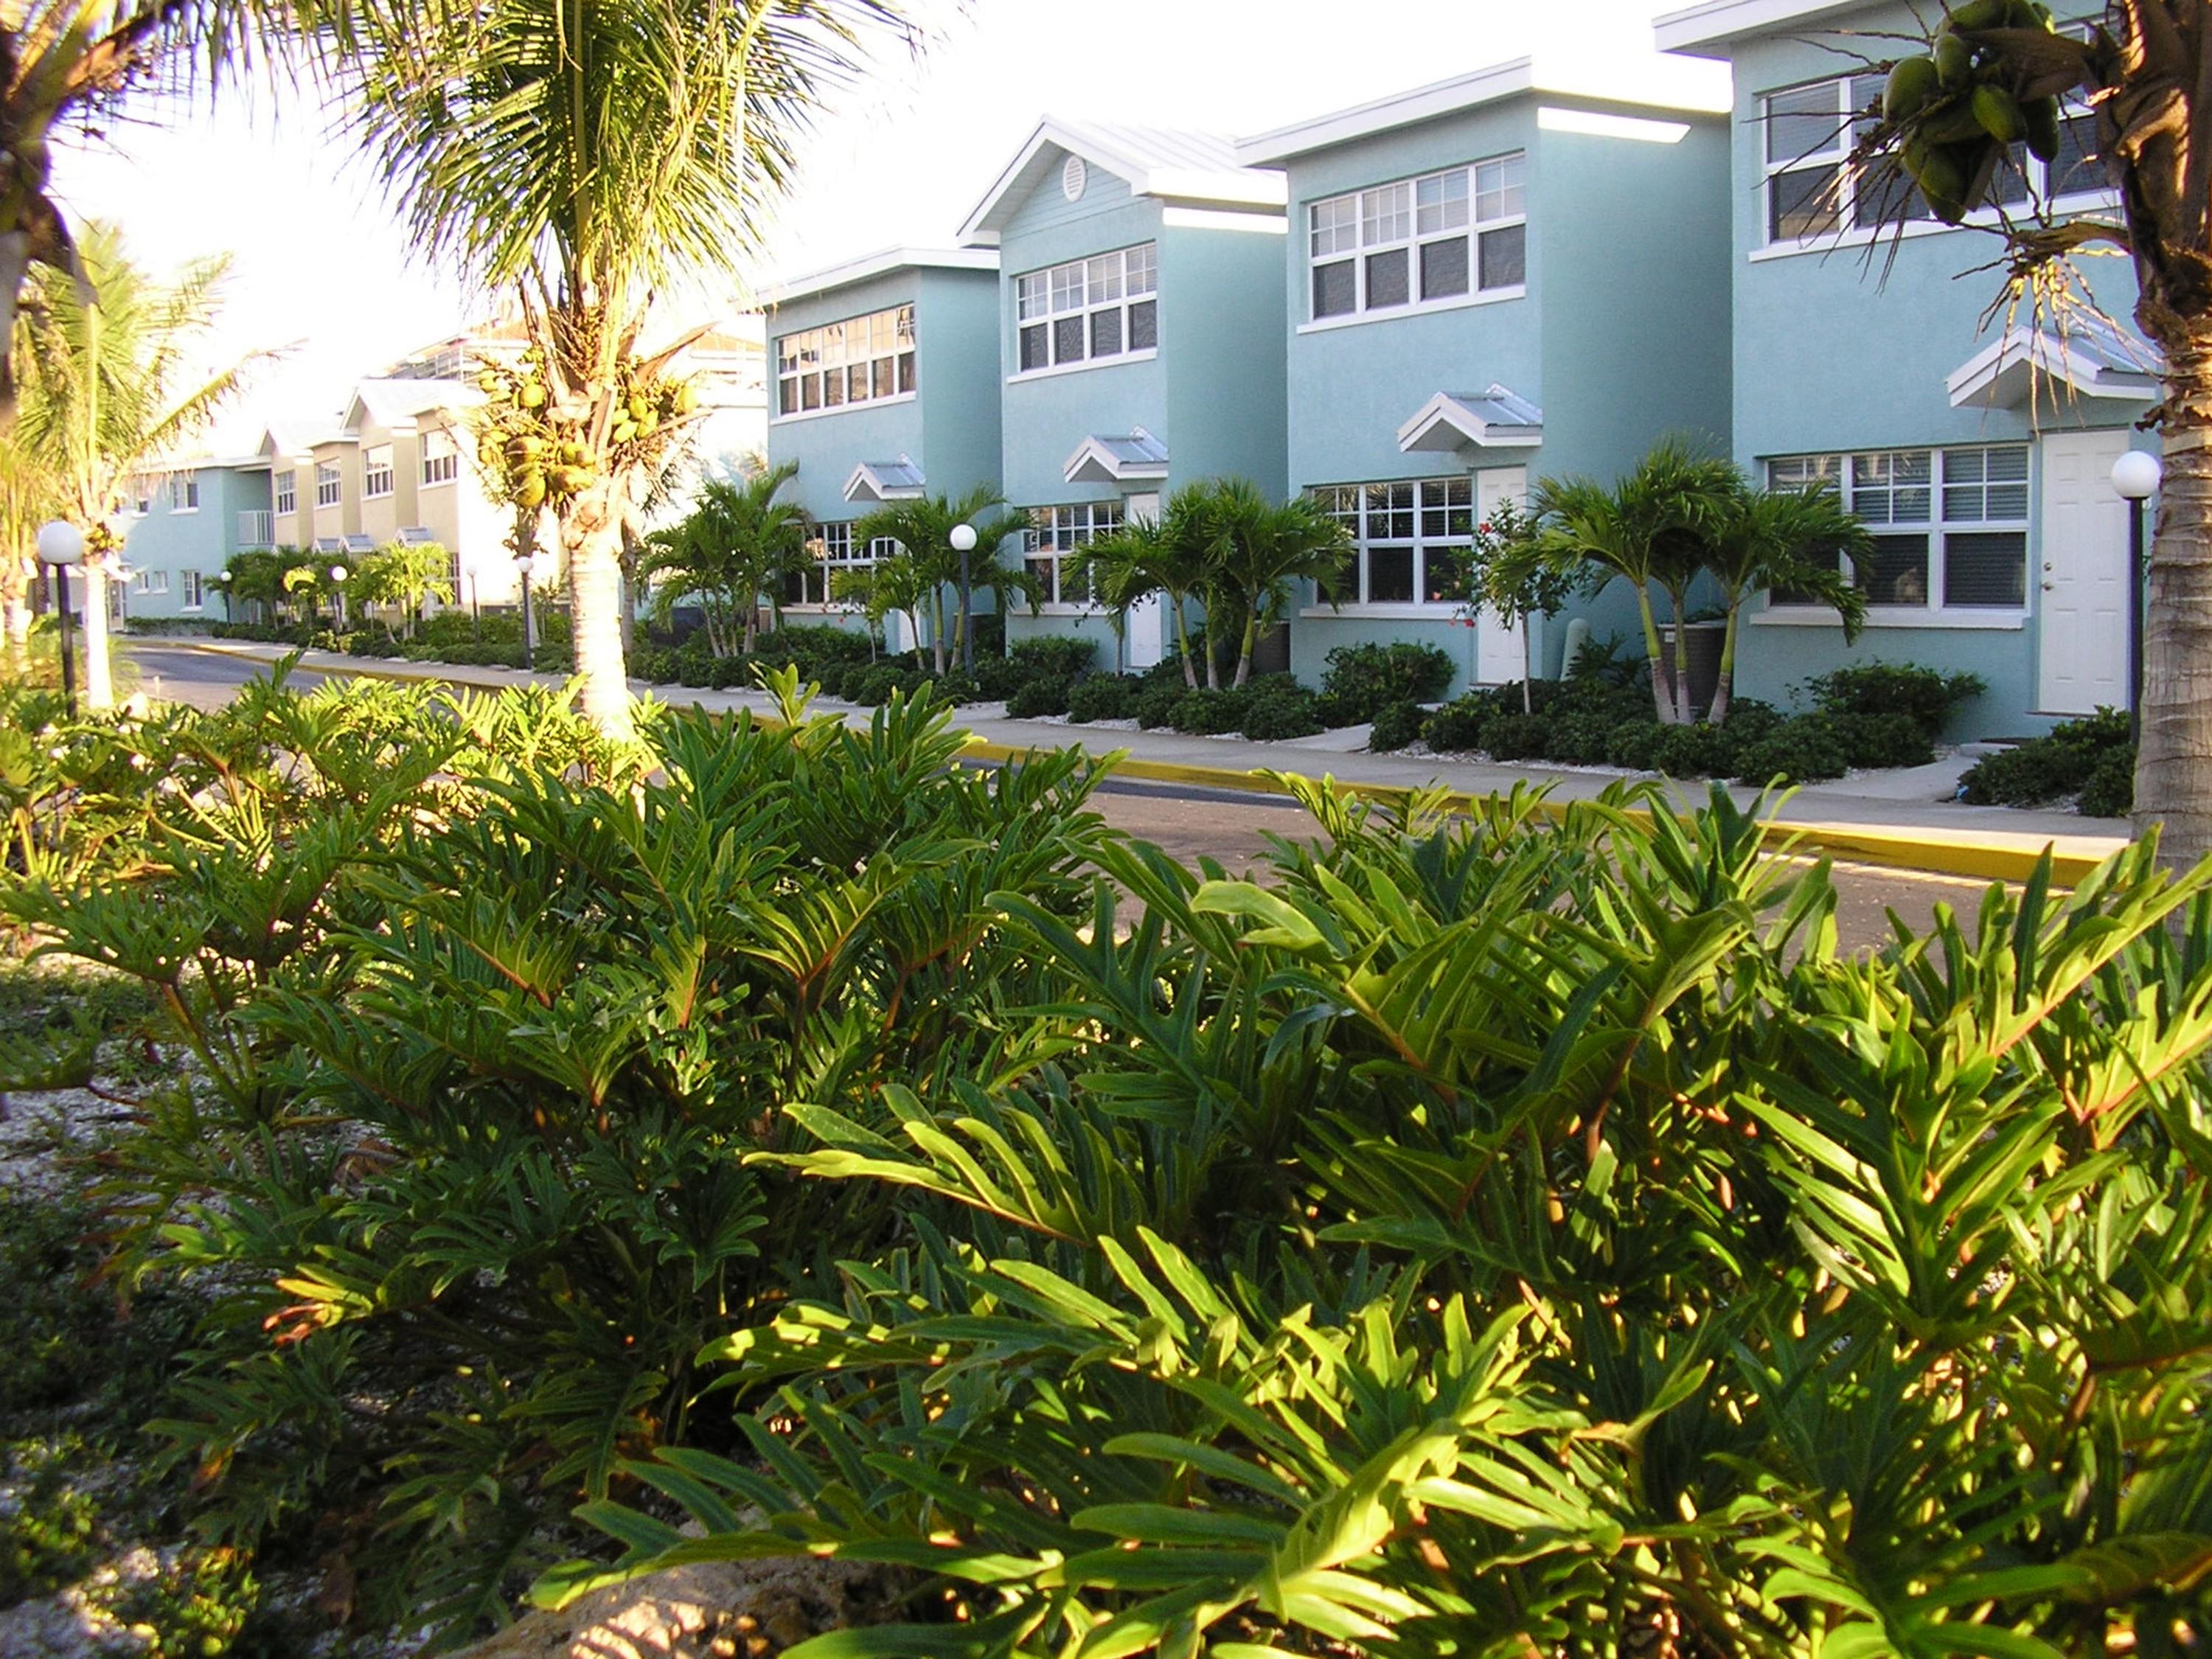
(338,575)
(2135,476)
(61,544)
(221,581)
(964,544)
(524,564)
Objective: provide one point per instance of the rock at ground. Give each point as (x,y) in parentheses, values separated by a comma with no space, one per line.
(719,1610)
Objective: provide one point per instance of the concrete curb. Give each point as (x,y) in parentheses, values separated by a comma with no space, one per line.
(1933,853)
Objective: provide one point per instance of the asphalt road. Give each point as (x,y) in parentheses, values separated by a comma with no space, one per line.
(1189,823)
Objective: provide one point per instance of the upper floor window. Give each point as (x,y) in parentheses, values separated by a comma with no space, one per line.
(329,485)
(1438,237)
(183,494)
(284,490)
(1949,525)
(1410,537)
(376,471)
(142,496)
(1103,307)
(1057,532)
(442,456)
(854,362)
(1813,190)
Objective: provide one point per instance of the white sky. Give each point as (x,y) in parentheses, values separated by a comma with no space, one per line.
(322,270)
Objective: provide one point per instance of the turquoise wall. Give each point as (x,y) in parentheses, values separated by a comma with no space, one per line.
(1220,306)
(1849,348)
(202,540)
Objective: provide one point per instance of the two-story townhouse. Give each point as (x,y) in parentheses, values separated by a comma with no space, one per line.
(1140,337)
(183,521)
(1975,443)
(885,373)
(1513,273)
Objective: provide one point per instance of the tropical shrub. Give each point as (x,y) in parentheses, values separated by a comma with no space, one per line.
(1276,709)
(1103,697)
(1804,749)
(1052,657)
(1157,703)
(1208,712)
(1043,696)
(1361,680)
(2110,792)
(2049,768)
(1396,724)
(1926,695)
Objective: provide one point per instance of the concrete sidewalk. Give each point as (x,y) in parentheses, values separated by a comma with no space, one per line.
(1905,817)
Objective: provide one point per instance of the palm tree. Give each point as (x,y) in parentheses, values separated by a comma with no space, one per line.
(1786,538)
(923,530)
(1164,556)
(407,576)
(737,542)
(1649,530)
(1254,551)
(588,153)
(104,390)
(30,495)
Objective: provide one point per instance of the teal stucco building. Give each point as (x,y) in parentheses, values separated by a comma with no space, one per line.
(184,521)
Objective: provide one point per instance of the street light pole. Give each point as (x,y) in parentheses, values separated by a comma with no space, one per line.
(61,544)
(2136,477)
(338,575)
(964,542)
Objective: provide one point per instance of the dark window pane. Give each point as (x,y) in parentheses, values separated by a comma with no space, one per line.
(1828,559)
(1041,571)
(833,388)
(1986,567)
(1896,571)
(1802,204)
(810,386)
(2009,184)
(1887,196)
(1387,279)
(1342,587)
(1067,340)
(1505,257)
(1335,291)
(1144,325)
(1105,333)
(886,375)
(1802,122)
(2076,168)
(1444,268)
(906,371)
(1440,574)
(1389,574)
(786,396)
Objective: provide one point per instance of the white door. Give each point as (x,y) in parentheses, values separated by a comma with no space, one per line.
(1501,655)
(1146,629)
(2081,567)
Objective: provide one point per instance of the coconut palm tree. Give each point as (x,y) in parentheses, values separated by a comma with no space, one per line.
(1164,556)
(587,154)
(1254,551)
(104,388)
(1761,539)
(1648,529)
(737,542)
(923,529)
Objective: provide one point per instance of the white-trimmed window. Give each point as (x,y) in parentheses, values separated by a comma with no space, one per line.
(283,492)
(1055,532)
(1813,189)
(1421,241)
(1412,538)
(155,582)
(194,593)
(861,360)
(183,494)
(330,484)
(442,456)
(141,495)
(831,553)
(1089,310)
(1949,525)
(376,471)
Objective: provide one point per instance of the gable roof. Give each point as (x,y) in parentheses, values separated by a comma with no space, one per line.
(882,262)
(396,402)
(1709,28)
(2090,358)
(1677,85)
(1496,418)
(1200,168)
(1117,459)
(886,480)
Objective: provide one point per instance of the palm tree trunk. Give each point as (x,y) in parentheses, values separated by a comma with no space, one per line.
(1662,689)
(1527,665)
(2173,756)
(1724,687)
(1244,648)
(1683,713)
(936,629)
(1182,643)
(591,533)
(99,684)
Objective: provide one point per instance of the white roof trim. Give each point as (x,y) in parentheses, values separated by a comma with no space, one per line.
(1707,29)
(882,262)
(1677,85)
(2004,374)
(1095,462)
(1448,422)
(877,481)
(1222,186)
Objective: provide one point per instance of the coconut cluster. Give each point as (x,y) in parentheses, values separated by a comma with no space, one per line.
(538,448)
(1962,106)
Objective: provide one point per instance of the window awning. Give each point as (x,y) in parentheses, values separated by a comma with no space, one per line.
(360,543)
(330,545)
(884,481)
(1138,458)
(415,535)
(2091,358)
(1496,419)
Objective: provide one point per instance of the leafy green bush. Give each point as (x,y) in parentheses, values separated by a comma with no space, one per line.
(1157,703)
(1801,750)
(1457,729)
(1635,746)
(47,1533)
(1206,712)
(875,685)
(1396,724)
(1054,657)
(1104,697)
(1880,740)
(1360,680)
(2049,768)
(655,665)
(1034,698)
(1928,696)
(2109,789)
(1278,709)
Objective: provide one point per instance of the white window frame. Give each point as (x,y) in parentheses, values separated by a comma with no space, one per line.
(1441,514)
(1410,217)
(1054,534)
(376,472)
(830,548)
(1087,292)
(441,457)
(1846,111)
(194,595)
(1941,515)
(880,346)
(330,484)
(154,583)
(284,493)
(184,492)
